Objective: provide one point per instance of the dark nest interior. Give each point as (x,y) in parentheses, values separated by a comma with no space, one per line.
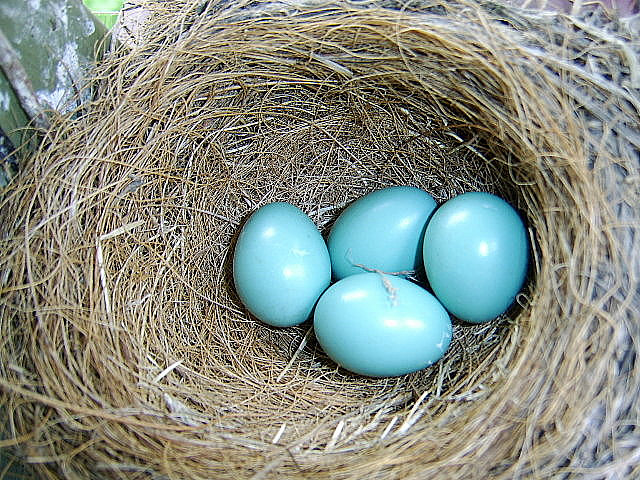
(125,350)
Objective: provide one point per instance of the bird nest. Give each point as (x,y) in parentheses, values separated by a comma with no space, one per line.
(125,350)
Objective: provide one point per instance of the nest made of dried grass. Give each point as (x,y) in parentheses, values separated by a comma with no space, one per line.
(125,352)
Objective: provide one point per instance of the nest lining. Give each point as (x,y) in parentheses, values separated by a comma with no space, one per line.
(128,353)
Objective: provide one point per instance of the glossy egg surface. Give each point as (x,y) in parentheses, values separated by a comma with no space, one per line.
(280,265)
(381,325)
(382,230)
(476,255)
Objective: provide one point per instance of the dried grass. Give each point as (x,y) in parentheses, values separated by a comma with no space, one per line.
(125,352)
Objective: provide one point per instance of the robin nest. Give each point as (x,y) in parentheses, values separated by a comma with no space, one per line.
(125,350)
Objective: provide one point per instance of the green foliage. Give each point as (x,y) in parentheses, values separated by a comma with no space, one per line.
(105,10)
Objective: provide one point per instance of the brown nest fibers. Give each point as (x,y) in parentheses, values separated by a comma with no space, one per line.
(125,350)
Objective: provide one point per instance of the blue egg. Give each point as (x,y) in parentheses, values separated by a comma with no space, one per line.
(476,253)
(280,265)
(382,230)
(381,325)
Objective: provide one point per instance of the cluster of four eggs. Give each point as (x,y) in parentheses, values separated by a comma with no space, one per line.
(373,320)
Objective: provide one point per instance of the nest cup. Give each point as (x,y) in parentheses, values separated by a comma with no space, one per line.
(126,352)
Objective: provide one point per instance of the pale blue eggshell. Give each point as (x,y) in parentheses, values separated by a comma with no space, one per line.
(381,325)
(382,230)
(280,265)
(476,253)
